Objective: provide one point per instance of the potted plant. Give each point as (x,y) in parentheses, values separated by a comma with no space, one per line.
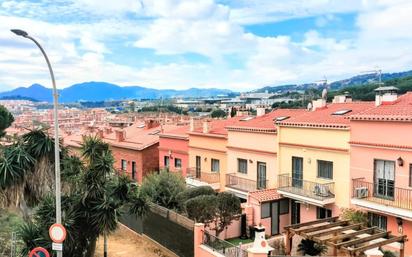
(311,248)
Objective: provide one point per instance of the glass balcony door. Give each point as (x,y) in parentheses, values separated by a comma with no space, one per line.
(261,175)
(297,172)
(384,179)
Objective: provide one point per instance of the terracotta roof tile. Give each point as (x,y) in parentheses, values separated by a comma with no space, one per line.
(266,121)
(265,195)
(218,126)
(325,118)
(400,110)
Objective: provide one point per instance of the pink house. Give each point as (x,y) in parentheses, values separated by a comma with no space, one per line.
(174,150)
(381,163)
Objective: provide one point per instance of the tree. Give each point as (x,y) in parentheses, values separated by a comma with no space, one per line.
(191,193)
(92,205)
(6,119)
(220,209)
(162,188)
(202,208)
(356,216)
(218,113)
(228,209)
(233,112)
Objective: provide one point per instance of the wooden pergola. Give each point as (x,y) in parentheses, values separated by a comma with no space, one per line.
(343,235)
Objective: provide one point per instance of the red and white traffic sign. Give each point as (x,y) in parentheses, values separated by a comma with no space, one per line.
(39,252)
(57,233)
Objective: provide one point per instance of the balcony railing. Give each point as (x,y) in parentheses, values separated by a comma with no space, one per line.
(314,190)
(384,192)
(223,247)
(207,177)
(244,184)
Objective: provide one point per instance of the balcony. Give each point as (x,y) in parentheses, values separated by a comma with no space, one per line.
(316,193)
(383,197)
(241,186)
(197,178)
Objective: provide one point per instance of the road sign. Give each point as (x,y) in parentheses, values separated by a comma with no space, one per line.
(57,246)
(39,252)
(57,233)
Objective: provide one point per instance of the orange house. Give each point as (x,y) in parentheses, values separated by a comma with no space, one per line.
(252,168)
(174,150)
(381,163)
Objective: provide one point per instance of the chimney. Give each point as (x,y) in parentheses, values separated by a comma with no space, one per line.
(192,125)
(318,104)
(108,130)
(151,123)
(386,95)
(260,110)
(260,245)
(120,135)
(206,126)
(100,133)
(342,99)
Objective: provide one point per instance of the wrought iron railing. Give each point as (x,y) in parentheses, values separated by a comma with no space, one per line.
(244,184)
(315,190)
(208,177)
(382,192)
(223,247)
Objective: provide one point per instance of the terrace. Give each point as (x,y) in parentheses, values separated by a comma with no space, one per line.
(384,197)
(314,192)
(241,186)
(196,177)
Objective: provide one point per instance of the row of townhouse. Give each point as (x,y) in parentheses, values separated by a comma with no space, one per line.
(294,166)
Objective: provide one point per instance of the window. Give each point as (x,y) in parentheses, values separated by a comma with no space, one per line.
(410,175)
(215,165)
(341,112)
(384,186)
(377,220)
(242,166)
(325,169)
(265,210)
(283,206)
(323,213)
(133,170)
(166,161)
(280,118)
(124,165)
(178,163)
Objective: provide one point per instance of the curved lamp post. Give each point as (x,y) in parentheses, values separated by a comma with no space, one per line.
(24,34)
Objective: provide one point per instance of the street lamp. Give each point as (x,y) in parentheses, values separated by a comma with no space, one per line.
(24,34)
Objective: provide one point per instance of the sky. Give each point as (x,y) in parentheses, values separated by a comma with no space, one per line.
(233,44)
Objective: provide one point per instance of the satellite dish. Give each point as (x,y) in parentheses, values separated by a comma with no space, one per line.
(309,106)
(324,93)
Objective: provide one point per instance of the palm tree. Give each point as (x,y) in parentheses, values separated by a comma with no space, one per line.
(92,196)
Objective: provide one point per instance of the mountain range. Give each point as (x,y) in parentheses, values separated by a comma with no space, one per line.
(101,91)
(336,85)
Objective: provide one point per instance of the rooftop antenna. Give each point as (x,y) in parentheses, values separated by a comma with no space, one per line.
(378,73)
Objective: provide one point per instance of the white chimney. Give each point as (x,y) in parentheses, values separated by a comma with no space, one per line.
(260,111)
(386,95)
(192,125)
(342,99)
(260,245)
(320,103)
(206,126)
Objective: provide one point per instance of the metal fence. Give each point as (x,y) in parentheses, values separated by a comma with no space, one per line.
(10,245)
(223,247)
(166,227)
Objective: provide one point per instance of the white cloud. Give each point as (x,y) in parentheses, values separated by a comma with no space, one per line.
(79,48)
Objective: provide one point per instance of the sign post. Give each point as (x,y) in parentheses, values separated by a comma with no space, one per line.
(57,233)
(39,252)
